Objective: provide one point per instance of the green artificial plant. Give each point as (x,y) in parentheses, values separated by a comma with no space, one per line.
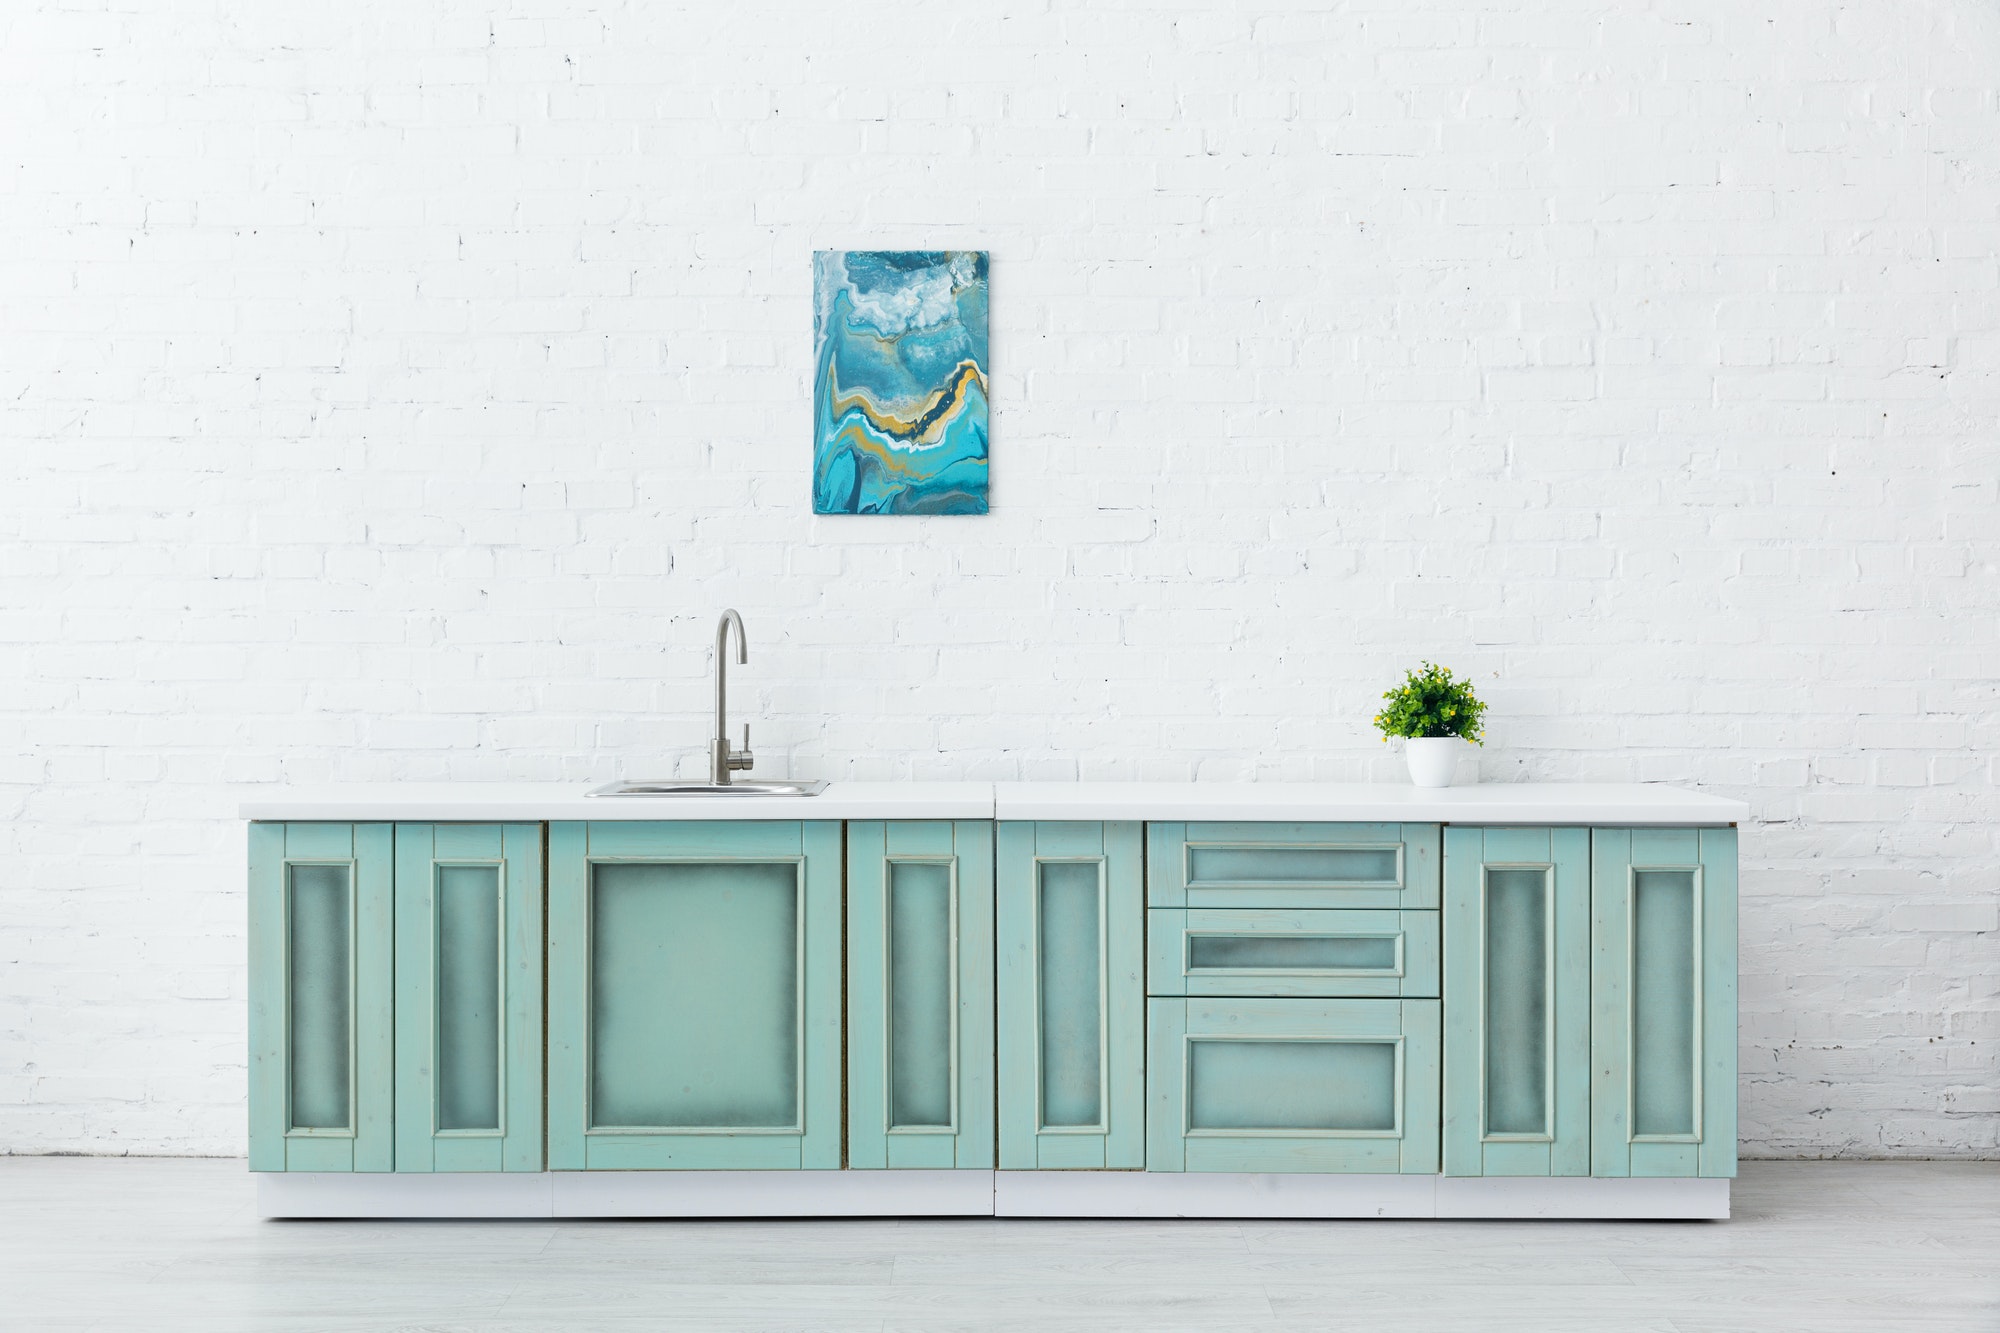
(1430,702)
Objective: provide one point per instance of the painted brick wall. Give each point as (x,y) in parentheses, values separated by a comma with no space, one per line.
(398,390)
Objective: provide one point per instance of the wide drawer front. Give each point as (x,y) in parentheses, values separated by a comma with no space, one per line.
(1292,1085)
(1308,953)
(1292,865)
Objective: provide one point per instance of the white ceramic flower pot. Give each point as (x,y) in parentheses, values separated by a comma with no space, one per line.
(1432,759)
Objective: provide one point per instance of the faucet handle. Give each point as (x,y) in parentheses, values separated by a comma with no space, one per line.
(742,759)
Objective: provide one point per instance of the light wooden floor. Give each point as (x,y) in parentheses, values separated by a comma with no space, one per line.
(172,1246)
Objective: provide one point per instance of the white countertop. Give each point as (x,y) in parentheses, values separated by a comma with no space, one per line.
(1350,802)
(1368,802)
(453,802)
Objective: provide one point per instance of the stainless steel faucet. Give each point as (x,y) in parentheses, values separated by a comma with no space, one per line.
(723,757)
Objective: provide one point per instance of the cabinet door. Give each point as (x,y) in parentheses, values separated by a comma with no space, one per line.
(920,994)
(468,997)
(322,1062)
(694,995)
(1072,996)
(1293,1085)
(1663,1002)
(1517,1002)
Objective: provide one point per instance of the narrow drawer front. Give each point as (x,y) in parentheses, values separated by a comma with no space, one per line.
(1292,865)
(1310,954)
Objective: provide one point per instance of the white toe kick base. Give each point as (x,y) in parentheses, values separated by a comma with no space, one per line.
(1226,1194)
(773,1193)
(1107,1194)
(358,1194)
(629,1194)
(1634,1198)
(1210,1194)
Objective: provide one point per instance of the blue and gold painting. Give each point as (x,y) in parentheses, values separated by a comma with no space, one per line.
(899,394)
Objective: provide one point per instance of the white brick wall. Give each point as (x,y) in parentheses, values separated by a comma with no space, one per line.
(398,390)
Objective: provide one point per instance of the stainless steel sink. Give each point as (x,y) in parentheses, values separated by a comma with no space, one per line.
(677,787)
(724,758)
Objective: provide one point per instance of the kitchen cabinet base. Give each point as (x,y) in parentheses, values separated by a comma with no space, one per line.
(1302,1195)
(1108,1194)
(302,1194)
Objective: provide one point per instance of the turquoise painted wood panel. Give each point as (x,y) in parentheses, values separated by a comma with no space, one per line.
(1663,1002)
(1311,952)
(694,995)
(1070,926)
(469,997)
(1293,1085)
(322,1042)
(920,1000)
(1292,865)
(1517,1001)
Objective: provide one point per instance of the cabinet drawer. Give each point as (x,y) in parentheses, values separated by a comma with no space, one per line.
(1308,952)
(1292,1085)
(1292,865)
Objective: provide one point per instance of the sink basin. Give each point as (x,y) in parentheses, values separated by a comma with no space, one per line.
(680,787)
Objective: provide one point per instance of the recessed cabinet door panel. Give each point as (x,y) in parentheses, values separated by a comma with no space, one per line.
(920,994)
(694,995)
(1292,1085)
(468,997)
(1071,996)
(1517,1001)
(1663,1013)
(322,1073)
(1308,953)
(1292,865)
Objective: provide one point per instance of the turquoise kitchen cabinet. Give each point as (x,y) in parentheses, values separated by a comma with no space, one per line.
(1663,1002)
(1517,1001)
(694,995)
(1391,866)
(1292,1085)
(468,997)
(322,1022)
(989,1016)
(1311,953)
(920,1001)
(1072,1040)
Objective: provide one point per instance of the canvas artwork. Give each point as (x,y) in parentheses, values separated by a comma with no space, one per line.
(899,395)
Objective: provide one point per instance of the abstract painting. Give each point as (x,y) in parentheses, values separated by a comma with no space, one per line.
(899,394)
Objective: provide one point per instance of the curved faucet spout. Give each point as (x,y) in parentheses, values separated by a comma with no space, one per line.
(724,758)
(729,618)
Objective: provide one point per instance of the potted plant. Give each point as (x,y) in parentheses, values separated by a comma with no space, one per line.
(1434,713)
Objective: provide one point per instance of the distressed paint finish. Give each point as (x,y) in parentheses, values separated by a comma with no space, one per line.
(961,971)
(367,1143)
(1117,1139)
(1273,952)
(720,1009)
(1271,1123)
(1485,1012)
(1623,999)
(1238,864)
(514,853)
